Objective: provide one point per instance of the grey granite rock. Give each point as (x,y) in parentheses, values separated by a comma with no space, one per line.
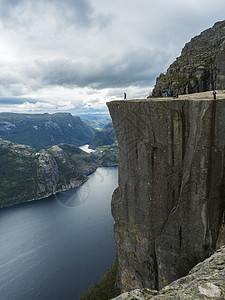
(169,206)
(201,65)
(205,281)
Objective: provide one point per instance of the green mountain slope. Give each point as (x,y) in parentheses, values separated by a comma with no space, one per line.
(27,174)
(96,124)
(44,130)
(106,136)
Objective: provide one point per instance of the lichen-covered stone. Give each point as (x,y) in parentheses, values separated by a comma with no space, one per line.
(205,281)
(140,294)
(201,66)
(169,206)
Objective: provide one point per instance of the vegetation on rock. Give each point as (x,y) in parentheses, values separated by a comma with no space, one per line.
(26,174)
(97,124)
(106,136)
(200,67)
(204,281)
(42,131)
(104,289)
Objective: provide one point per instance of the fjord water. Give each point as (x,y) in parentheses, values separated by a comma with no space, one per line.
(57,247)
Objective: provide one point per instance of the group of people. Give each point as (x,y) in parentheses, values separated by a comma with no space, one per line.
(175,94)
(170,93)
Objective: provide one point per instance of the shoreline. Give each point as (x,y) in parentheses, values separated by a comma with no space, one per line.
(58,191)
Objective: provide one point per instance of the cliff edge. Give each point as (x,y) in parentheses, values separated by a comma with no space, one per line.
(169,206)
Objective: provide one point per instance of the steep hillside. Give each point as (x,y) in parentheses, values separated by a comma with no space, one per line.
(201,66)
(106,136)
(96,124)
(26,174)
(44,130)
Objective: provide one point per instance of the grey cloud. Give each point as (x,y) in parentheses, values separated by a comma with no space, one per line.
(134,68)
(7,78)
(141,41)
(6,6)
(80,13)
(94,101)
(13,80)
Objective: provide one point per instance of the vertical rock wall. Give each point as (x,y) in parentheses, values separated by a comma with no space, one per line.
(169,206)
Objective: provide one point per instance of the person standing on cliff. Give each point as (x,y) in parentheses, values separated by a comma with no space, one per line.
(214,95)
(171,93)
(125,96)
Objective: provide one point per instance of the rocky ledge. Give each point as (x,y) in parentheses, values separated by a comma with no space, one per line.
(204,281)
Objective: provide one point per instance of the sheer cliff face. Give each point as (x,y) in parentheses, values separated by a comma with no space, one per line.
(201,66)
(169,206)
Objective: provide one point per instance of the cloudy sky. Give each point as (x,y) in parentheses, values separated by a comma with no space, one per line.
(75,55)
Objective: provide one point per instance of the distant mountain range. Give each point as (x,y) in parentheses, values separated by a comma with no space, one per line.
(27,172)
(45,130)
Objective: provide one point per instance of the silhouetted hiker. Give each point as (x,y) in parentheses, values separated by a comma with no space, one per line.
(160,93)
(214,95)
(125,96)
(177,94)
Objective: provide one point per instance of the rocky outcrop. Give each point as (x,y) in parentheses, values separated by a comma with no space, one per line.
(205,281)
(169,206)
(201,66)
(26,174)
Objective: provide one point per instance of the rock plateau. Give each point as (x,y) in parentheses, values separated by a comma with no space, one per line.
(169,206)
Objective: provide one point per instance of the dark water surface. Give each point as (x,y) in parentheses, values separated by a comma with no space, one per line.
(56,247)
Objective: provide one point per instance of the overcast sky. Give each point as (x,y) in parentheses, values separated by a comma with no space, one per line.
(75,55)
